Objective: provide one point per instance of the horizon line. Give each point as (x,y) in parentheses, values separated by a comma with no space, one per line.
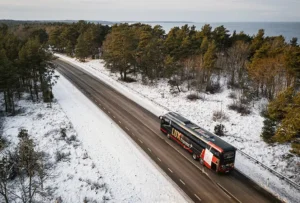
(156,21)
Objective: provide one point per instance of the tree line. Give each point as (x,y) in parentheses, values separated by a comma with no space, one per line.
(80,40)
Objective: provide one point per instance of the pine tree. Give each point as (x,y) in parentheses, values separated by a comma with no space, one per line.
(81,50)
(8,81)
(268,130)
(296,147)
(55,39)
(120,50)
(277,109)
(290,128)
(221,38)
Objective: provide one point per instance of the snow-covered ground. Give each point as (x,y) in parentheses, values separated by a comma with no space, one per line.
(242,131)
(73,178)
(94,168)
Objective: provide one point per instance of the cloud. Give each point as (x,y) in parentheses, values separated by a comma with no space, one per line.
(190,10)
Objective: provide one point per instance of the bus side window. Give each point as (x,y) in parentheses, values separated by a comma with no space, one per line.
(215,152)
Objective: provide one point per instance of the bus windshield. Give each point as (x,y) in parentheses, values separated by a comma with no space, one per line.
(229,156)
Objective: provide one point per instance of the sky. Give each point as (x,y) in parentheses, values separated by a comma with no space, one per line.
(153,10)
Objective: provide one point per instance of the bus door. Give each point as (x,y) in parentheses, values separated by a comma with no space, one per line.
(210,158)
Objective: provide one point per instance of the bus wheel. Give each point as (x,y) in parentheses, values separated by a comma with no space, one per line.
(201,162)
(195,157)
(168,136)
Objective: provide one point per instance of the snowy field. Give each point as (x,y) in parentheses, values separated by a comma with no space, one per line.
(93,168)
(73,178)
(242,131)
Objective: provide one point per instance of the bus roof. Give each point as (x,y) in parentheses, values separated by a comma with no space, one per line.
(199,132)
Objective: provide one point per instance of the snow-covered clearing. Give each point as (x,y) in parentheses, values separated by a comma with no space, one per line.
(102,163)
(242,131)
(73,178)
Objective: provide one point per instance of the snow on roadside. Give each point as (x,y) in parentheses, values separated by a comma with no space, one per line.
(73,178)
(128,172)
(243,131)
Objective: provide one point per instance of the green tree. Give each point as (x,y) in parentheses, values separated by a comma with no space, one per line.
(120,50)
(150,53)
(35,67)
(41,34)
(82,49)
(257,42)
(55,39)
(292,62)
(8,81)
(290,128)
(221,37)
(268,130)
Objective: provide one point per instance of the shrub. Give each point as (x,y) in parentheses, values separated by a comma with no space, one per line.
(72,138)
(63,132)
(213,88)
(268,130)
(23,133)
(193,97)
(129,80)
(296,147)
(245,100)
(264,113)
(175,86)
(219,115)
(232,95)
(9,162)
(233,85)
(85,155)
(58,200)
(240,108)
(3,142)
(219,130)
(39,116)
(61,156)
(145,80)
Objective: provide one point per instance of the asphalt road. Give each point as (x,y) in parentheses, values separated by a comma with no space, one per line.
(199,183)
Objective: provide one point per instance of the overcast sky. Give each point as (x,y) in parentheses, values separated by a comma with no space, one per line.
(152,10)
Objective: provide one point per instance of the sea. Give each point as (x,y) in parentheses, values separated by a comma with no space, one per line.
(287,29)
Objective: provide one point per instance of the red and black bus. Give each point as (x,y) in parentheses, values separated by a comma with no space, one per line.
(212,151)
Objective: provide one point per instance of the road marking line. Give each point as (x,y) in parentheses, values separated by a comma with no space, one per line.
(170,170)
(192,162)
(149,150)
(198,197)
(140,141)
(158,159)
(228,193)
(127,128)
(120,122)
(182,181)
